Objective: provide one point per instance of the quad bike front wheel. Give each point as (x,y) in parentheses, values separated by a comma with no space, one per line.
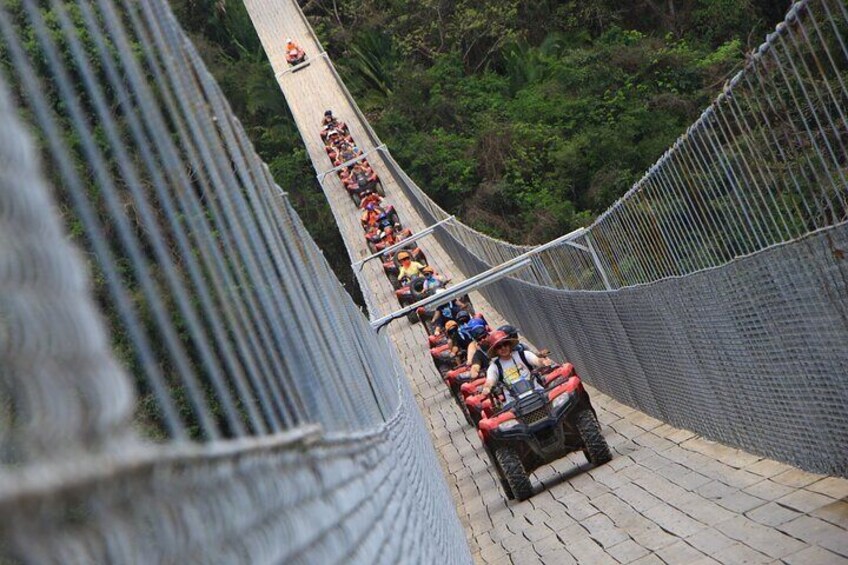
(514,473)
(595,447)
(504,485)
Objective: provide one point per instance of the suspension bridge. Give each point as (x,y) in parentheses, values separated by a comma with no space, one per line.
(183,378)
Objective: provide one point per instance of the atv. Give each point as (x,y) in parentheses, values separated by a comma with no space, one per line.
(360,184)
(444,360)
(539,426)
(386,218)
(411,291)
(476,406)
(458,380)
(295,56)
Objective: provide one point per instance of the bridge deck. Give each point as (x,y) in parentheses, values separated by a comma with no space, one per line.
(667,496)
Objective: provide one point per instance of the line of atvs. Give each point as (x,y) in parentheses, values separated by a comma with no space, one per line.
(528,410)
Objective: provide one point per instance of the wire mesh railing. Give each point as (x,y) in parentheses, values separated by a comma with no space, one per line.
(210,387)
(713,294)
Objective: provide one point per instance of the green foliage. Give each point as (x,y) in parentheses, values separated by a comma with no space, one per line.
(528,119)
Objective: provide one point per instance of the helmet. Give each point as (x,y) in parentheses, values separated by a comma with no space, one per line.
(478,332)
(403,255)
(426,270)
(462,316)
(509,330)
(450,325)
(496,339)
(328,113)
(288,40)
(389,230)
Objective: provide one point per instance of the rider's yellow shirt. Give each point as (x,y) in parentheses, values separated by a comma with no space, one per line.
(413,270)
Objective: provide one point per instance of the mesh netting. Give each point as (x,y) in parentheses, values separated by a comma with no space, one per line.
(208,393)
(713,294)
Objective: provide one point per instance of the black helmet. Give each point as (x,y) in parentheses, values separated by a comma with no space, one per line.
(328,113)
(462,316)
(509,330)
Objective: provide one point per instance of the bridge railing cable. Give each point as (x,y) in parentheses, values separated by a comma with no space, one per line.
(712,294)
(182,376)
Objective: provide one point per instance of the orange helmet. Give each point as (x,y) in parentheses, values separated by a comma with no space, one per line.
(450,325)
(427,270)
(403,255)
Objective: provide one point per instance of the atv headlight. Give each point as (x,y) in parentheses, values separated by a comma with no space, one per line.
(561,400)
(508,425)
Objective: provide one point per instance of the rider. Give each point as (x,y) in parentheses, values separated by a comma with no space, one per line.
(294,54)
(328,118)
(479,360)
(408,268)
(462,340)
(509,364)
(447,312)
(389,237)
(467,326)
(370,198)
(370,215)
(432,281)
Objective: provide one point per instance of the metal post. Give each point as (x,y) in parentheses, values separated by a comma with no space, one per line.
(403,243)
(475,282)
(597,261)
(346,164)
(484,278)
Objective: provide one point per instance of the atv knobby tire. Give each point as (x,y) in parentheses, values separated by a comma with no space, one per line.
(595,446)
(464,409)
(514,473)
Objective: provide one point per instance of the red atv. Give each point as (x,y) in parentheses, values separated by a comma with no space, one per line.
(443,358)
(376,234)
(478,406)
(295,55)
(333,129)
(540,426)
(459,381)
(360,182)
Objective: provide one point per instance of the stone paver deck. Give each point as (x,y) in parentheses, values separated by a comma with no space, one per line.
(668,496)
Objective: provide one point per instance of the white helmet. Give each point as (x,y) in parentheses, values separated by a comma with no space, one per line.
(288,40)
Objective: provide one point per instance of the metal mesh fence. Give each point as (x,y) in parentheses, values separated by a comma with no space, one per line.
(210,392)
(713,294)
